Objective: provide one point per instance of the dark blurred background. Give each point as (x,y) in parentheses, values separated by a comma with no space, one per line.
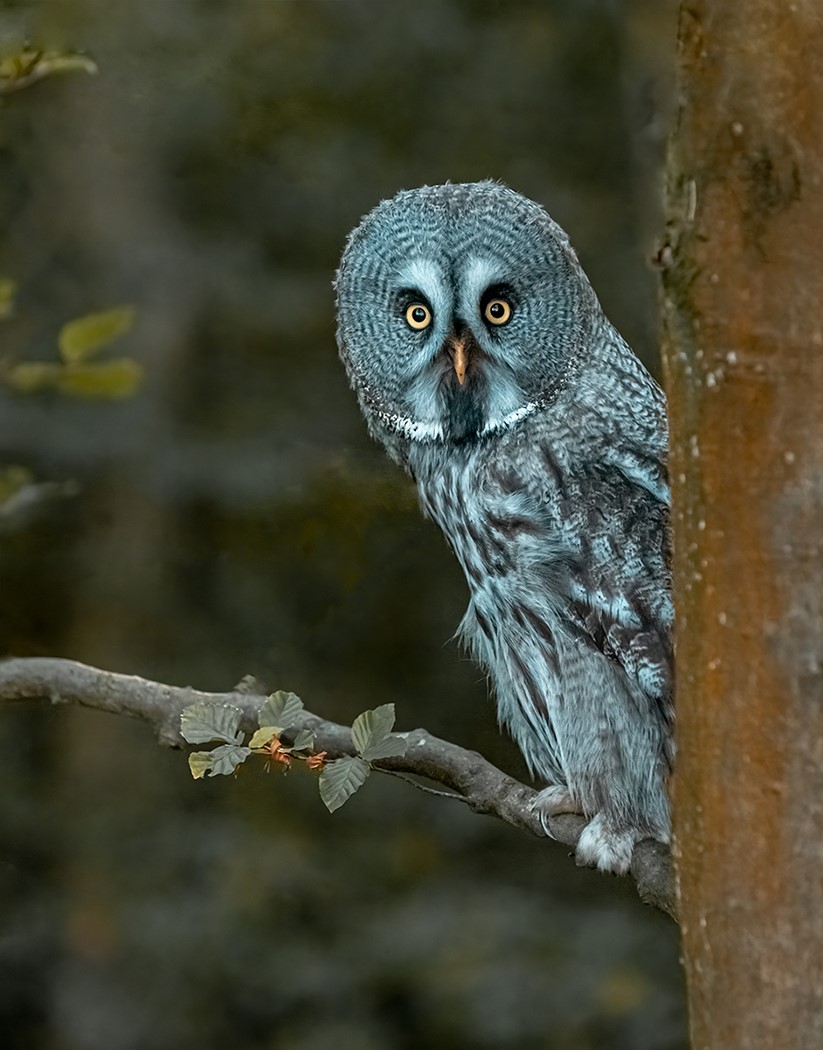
(232,517)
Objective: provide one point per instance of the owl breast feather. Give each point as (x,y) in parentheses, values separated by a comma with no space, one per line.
(569,612)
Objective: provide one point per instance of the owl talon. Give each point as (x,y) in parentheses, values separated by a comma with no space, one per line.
(552,801)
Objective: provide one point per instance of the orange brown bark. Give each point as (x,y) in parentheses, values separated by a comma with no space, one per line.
(743,357)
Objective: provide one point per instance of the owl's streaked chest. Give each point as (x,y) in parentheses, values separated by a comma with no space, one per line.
(504,540)
(501,511)
(458,495)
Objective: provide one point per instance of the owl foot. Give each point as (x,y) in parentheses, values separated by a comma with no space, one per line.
(550,802)
(606,846)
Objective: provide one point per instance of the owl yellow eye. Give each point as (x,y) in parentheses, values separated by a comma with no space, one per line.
(497,311)
(418,316)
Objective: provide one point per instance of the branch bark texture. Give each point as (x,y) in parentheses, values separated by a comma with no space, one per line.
(743,352)
(472,779)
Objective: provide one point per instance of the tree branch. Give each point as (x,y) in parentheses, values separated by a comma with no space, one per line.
(477,782)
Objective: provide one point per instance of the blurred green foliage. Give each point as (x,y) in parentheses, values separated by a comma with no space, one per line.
(77,342)
(234,518)
(7,290)
(19,68)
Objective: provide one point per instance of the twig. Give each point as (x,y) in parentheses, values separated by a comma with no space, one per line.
(420,787)
(481,785)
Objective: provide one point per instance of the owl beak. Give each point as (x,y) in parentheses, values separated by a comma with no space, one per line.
(460,359)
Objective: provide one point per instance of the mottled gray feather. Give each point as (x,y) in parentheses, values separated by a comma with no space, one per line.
(546,471)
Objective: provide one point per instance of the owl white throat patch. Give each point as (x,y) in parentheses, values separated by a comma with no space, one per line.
(422,430)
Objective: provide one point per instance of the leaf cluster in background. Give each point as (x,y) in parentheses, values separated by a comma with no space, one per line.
(280,742)
(76,374)
(7,292)
(26,66)
(81,339)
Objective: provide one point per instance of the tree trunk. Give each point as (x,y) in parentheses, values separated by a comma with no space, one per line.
(743,354)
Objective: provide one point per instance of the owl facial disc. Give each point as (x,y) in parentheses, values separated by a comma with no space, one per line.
(461,310)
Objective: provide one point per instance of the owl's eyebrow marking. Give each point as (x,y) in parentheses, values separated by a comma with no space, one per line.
(423,274)
(481,275)
(482,272)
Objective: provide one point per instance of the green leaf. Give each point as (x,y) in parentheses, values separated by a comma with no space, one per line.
(13,480)
(371,733)
(264,736)
(391,747)
(209,720)
(200,763)
(280,709)
(109,379)
(303,740)
(85,336)
(7,290)
(340,779)
(27,66)
(226,758)
(29,376)
(372,727)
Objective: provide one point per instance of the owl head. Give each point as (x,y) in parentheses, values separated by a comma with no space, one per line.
(462,309)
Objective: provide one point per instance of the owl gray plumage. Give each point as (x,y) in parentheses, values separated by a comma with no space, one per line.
(484,364)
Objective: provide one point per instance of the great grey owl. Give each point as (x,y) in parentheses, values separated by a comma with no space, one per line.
(484,364)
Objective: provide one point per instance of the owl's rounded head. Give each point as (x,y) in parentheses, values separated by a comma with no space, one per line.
(461,310)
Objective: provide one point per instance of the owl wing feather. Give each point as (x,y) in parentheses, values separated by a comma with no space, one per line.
(620,602)
(615,600)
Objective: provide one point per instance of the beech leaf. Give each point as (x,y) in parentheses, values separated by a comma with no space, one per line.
(280,709)
(109,379)
(85,336)
(372,727)
(226,758)
(341,778)
(264,736)
(200,763)
(208,720)
(303,740)
(29,376)
(391,747)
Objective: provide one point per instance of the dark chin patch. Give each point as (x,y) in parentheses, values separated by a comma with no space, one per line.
(465,407)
